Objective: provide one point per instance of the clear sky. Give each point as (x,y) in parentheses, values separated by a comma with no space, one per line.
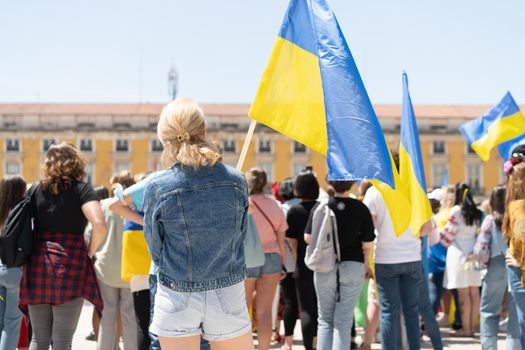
(454,51)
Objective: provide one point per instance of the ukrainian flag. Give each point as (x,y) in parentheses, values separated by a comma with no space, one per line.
(411,172)
(311,91)
(506,148)
(502,123)
(136,259)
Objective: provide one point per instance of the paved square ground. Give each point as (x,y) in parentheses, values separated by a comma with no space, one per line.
(84,327)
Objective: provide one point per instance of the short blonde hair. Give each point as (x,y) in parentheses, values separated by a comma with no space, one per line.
(182,132)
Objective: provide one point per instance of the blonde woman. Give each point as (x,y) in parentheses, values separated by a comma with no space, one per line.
(60,274)
(194,224)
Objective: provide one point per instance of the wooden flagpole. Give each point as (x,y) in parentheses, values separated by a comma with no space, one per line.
(246,144)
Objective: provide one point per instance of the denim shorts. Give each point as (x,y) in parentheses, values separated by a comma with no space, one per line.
(272,265)
(218,314)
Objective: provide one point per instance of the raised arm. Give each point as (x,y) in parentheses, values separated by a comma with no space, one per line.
(122,208)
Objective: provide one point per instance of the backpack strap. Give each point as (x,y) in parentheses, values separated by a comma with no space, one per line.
(32,190)
(335,240)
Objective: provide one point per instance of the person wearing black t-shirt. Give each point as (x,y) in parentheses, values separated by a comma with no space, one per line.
(338,290)
(306,188)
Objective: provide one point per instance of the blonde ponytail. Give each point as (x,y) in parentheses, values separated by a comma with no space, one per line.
(182,132)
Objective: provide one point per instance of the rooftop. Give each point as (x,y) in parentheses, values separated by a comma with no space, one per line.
(227,110)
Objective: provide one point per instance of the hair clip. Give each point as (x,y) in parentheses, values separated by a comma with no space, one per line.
(516,158)
(465,195)
(183,137)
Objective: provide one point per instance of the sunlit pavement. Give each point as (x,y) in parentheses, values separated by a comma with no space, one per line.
(84,328)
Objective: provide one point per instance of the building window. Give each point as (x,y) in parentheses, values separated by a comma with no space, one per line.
(12,145)
(156,146)
(121,166)
(474,177)
(12,168)
(470,150)
(439,175)
(48,143)
(298,147)
(122,145)
(86,145)
(89,173)
(229,146)
(265,146)
(438,147)
(297,169)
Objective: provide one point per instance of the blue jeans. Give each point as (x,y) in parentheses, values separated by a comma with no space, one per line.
(495,286)
(335,317)
(10,315)
(518,292)
(155,344)
(397,285)
(436,290)
(428,315)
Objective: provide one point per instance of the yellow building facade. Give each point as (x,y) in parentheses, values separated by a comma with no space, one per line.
(117,137)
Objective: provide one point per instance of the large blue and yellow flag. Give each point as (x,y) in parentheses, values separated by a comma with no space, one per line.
(311,91)
(502,123)
(411,172)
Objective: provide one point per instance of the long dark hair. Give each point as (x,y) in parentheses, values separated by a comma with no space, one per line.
(469,210)
(12,190)
(497,204)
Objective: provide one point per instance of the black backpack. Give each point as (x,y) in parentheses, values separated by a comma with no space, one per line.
(16,238)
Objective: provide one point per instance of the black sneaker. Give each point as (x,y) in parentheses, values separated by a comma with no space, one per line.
(456,326)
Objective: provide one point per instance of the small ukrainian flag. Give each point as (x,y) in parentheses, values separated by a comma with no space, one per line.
(502,123)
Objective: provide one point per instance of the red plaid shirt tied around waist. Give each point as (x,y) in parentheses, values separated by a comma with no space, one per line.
(59,271)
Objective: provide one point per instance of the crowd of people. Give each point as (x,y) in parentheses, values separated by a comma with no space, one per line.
(200,255)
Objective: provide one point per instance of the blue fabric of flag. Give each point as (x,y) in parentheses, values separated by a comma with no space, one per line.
(410,135)
(357,148)
(297,28)
(506,148)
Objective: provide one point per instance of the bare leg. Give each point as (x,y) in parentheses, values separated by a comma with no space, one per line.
(475,300)
(372,321)
(180,343)
(466,310)
(265,292)
(445,299)
(249,287)
(244,342)
(95,321)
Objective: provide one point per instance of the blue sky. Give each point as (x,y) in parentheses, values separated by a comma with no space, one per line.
(468,51)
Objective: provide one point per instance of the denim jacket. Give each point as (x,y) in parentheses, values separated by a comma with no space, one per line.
(195,223)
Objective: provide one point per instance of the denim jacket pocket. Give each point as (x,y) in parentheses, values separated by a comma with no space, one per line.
(173,301)
(232,299)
